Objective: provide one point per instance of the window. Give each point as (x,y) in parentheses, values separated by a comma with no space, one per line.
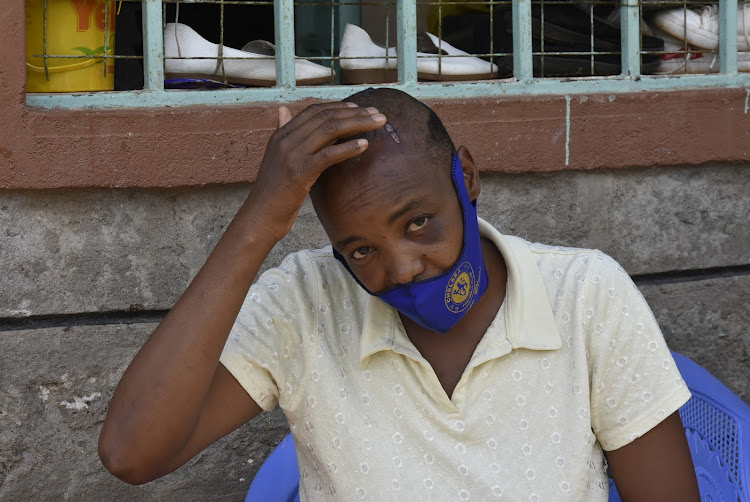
(524,47)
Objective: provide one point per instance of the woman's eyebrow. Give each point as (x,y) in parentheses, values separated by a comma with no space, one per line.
(340,245)
(409,206)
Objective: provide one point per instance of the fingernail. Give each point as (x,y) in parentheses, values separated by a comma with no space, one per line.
(379,117)
(372,110)
(351,105)
(361,143)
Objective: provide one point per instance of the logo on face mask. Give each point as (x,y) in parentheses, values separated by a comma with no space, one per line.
(461,288)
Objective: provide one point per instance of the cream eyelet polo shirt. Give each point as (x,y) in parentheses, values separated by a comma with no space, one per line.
(573,364)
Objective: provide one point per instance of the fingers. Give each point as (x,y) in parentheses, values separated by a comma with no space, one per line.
(285,115)
(331,125)
(305,145)
(310,112)
(334,154)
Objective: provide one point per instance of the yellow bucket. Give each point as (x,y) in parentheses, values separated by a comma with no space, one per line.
(74,28)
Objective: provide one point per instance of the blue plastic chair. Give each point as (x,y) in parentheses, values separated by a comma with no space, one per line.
(717,426)
(277,479)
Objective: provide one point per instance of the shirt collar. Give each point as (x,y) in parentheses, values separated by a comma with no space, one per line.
(528,319)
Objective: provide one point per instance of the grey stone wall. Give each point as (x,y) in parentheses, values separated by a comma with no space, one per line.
(88,273)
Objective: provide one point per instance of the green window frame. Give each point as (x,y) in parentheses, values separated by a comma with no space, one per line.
(523,82)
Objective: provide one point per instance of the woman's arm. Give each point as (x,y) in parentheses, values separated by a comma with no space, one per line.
(175,398)
(656,467)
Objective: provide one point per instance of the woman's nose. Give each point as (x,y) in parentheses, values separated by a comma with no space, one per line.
(405,266)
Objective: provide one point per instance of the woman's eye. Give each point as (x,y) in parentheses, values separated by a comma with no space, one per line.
(417,224)
(361,252)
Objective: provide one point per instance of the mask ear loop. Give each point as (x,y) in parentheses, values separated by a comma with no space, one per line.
(464,217)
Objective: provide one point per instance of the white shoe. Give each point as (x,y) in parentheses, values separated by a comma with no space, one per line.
(743,61)
(256,66)
(365,62)
(700,27)
(677,60)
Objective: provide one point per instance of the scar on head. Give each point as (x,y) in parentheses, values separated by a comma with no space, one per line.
(392,132)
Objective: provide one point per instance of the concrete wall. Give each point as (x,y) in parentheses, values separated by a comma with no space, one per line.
(89,272)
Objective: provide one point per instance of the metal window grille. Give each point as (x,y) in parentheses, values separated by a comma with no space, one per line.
(314,28)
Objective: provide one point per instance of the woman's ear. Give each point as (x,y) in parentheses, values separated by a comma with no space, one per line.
(471,173)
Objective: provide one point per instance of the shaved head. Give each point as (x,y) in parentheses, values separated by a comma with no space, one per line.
(413,137)
(410,123)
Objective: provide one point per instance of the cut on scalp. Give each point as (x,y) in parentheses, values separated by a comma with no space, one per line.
(416,124)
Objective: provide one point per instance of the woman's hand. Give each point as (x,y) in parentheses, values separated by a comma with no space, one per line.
(299,151)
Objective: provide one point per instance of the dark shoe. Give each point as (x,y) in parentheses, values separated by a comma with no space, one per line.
(566,28)
(572,24)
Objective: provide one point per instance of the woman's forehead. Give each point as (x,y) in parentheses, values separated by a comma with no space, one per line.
(386,172)
(357,196)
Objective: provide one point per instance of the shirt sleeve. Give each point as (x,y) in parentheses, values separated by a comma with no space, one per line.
(266,348)
(635,383)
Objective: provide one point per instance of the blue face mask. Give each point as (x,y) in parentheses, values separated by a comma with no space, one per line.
(440,302)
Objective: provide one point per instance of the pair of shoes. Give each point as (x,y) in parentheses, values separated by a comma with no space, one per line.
(365,62)
(700,27)
(254,65)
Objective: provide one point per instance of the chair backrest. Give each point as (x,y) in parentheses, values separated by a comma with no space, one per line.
(717,427)
(278,477)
